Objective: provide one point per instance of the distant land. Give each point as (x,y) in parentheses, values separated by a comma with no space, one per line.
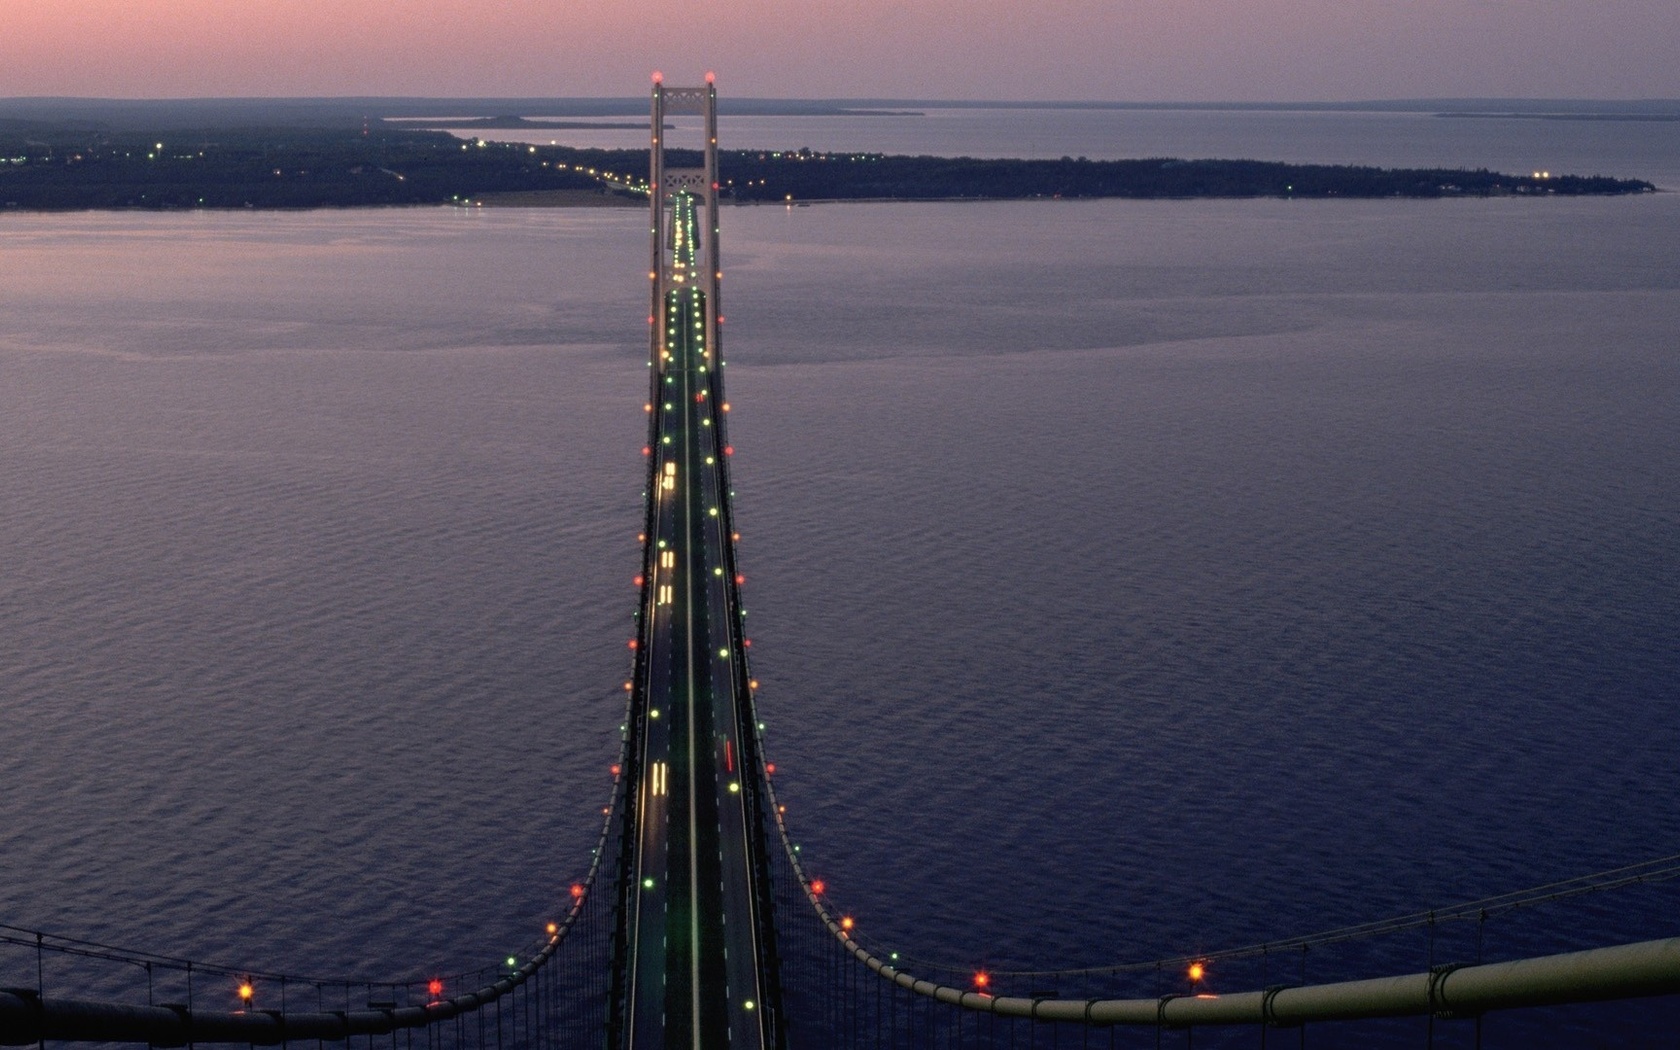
(66,155)
(166,114)
(1568,116)
(508,123)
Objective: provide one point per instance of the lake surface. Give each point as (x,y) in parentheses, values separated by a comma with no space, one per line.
(1126,579)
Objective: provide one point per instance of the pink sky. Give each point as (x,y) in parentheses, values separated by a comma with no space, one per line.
(1125,50)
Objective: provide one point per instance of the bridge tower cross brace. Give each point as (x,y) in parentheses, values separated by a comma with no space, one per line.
(664,182)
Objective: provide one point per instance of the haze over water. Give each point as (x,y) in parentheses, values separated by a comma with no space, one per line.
(1125,578)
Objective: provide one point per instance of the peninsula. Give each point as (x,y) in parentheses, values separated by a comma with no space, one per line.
(65,165)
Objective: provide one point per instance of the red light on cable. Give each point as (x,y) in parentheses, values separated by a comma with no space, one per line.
(632,643)
(434,988)
(729,450)
(711,78)
(769,769)
(638,581)
(577,891)
(615,771)
(739,579)
(818,885)
(658,77)
(982,979)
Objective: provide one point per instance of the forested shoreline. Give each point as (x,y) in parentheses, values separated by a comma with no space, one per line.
(71,166)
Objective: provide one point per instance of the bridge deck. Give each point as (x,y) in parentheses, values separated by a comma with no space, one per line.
(694,938)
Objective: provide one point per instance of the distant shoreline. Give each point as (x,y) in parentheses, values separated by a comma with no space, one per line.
(73,167)
(1654,117)
(153,115)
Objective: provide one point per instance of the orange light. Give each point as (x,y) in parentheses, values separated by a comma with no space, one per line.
(736,536)
(246,991)
(647,408)
(753,684)
(628,687)
(553,929)
(1197,971)
(846,923)
(726,408)
(982,979)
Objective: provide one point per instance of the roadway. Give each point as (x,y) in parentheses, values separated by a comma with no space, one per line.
(694,966)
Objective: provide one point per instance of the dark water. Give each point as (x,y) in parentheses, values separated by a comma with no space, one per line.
(1125,579)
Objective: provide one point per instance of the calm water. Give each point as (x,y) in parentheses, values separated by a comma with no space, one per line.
(1127,578)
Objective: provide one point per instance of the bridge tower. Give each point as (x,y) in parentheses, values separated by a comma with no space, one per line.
(695,961)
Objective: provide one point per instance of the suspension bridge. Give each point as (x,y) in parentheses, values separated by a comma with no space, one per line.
(697,925)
